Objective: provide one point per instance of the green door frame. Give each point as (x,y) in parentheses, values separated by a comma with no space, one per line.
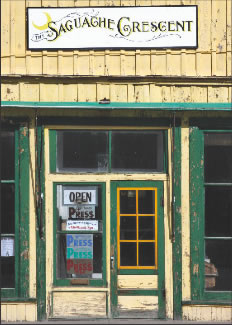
(161,258)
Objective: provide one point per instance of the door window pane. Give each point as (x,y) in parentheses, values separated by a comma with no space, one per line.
(7,272)
(146,227)
(127,227)
(218,211)
(128,254)
(127,201)
(146,201)
(218,265)
(218,157)
(137,151)
(8,155)
(146,254)
(82,151)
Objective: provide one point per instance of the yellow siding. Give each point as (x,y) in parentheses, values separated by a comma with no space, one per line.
(18,312)
(207,313)
(138,281)
(140,92)
(212,58)
(79,304)
(143,303)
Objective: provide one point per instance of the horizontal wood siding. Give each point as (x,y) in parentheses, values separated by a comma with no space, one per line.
(18,312)
(207,313)
(149,92)
(212,58)
(78,304)
(137,281)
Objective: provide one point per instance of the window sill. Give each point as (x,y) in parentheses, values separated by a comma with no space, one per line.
(18,299)
(206,303)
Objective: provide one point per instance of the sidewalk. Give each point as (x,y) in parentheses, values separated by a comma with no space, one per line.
(118,321)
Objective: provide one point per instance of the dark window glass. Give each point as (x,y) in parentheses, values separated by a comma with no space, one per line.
(128,254)
(127,201)
(8,155)
(218,157)
(218,211)
(218,265)
(146,227)
(127,227)
(7,208)
(146,201)
(146,254)
(137,151)
(8,272)
(83,150)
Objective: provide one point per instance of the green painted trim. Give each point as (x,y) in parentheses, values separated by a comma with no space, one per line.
(24,210)
(209,303)
(52,150)
(161,250)
(92,282)
(115,105)
(40,242)
(197,212)
(18,299)
(7,182)
(212,124)
(137,292)
(110,148)
(177,245)
(141,272)
(18,190)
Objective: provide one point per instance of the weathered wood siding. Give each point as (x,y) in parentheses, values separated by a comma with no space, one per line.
(116,92)
(207,313)
(18,312)
(78,304)
(137,281)
(212,58)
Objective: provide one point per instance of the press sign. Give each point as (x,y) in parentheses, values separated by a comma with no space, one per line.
(79,253)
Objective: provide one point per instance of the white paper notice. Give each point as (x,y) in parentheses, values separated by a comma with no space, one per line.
(7,246)
(82,225)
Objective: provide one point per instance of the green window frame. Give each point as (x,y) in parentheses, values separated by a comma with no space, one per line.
(67,281)
(197,213)
(21,211)
(53,149)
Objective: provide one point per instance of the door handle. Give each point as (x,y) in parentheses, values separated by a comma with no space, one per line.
(112,262)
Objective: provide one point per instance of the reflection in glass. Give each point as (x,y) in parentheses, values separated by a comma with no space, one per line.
(218,211)
(8,208)
(146,201)
(127,201)
(127,227)
(146,227)
(82,150)
(218,265)
(128,254)
(137,150)
(218,157)
(8,155)
(146,254)
(7,272)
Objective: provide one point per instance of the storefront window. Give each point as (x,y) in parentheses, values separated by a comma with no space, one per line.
(98,151)
(79,232)
(218,211)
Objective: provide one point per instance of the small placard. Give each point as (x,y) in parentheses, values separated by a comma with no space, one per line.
(84,211)
(7,246)
(83,225)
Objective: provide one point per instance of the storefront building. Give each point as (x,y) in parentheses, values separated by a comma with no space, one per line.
(116,155)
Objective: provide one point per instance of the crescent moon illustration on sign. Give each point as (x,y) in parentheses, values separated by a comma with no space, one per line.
(45,26)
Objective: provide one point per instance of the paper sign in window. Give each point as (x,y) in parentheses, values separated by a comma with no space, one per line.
(7,247)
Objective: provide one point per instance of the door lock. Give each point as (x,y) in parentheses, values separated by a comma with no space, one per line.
(112,262)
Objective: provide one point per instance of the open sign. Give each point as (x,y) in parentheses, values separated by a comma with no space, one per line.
(77,195)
